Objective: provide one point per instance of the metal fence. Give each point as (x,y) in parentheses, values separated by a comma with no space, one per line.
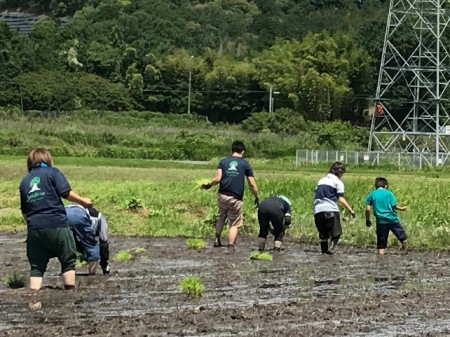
(413,159)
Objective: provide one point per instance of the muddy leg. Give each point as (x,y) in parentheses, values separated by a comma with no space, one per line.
(261,244)
(232,236)
(277,245)
(220,223)
(92,267)
(334,242)
(404,246)
(35,282)
(69,279)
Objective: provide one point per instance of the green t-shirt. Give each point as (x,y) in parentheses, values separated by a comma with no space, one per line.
(383,203)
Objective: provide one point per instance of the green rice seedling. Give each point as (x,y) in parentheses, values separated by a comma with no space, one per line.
(256,255)
(123,255)
(138,250)
(191,286)
(15,280)
(195,243)
(80,262)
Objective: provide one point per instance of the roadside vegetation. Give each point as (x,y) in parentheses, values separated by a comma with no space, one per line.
(150,135)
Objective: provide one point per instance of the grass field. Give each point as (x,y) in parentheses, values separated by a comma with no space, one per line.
(160,198)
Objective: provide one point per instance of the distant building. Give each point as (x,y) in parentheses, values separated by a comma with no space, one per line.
(23,22)
(19,22)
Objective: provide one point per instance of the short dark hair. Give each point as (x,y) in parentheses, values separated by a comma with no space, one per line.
(380,182)
(337,168)
(237,146)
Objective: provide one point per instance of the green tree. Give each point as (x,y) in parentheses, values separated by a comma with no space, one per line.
(315,73)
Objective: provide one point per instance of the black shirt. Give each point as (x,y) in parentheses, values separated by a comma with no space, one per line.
(40,198)
(234,171)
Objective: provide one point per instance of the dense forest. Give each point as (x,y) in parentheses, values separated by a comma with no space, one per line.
(320,57)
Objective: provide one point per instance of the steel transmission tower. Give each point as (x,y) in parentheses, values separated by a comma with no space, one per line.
(412,98)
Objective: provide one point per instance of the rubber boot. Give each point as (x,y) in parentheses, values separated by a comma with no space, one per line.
(324,247)
(261,244)
(217,242)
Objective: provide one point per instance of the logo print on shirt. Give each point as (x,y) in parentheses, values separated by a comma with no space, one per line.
(35,193)
(233,166)
(232,169)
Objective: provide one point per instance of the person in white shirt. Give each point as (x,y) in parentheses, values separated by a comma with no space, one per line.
(330,190)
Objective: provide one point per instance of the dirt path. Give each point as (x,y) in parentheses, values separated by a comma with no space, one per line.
(299,293)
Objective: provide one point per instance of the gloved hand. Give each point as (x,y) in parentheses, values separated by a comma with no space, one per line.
(287,220)
(353,214)
(106,270)
(206,186)
(368,223)
(256,202)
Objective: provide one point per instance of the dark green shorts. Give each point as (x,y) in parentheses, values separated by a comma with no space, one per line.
(46,243)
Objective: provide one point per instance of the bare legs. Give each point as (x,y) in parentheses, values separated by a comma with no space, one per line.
(68,279)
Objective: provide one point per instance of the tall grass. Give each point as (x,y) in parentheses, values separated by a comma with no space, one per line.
(176,206)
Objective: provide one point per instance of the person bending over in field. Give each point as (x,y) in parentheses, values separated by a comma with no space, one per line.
(230,176)
(329,190)
(384,208)
(48,233)
(274,214)
(90,230)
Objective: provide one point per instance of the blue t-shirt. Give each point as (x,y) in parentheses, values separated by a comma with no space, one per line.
(40,198)
(234,171)
(383,203)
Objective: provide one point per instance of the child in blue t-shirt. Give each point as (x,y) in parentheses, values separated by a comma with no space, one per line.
(384,208)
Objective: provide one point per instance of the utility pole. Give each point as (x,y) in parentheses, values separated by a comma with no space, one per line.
(21,99)
(271,98)
(190,84)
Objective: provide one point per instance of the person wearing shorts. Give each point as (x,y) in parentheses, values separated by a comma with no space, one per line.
(48,232)
(90,230)
(230,176)
(330,190)
(385,210)
(274,215)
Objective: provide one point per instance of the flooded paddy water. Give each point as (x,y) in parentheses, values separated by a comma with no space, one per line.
(299,293)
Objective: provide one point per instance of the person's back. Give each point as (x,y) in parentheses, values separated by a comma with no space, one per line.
(385,211)
(90,230)
(383,203)
(328,192)
(230,176)
(234,171)
(40,192)
(48,234)
(275,212)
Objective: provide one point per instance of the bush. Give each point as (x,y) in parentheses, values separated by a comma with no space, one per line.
(55,90)
(282,122)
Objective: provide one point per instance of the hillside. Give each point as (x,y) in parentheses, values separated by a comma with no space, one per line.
(320,56)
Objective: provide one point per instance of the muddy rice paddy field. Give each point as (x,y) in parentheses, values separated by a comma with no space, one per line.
(299,293)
